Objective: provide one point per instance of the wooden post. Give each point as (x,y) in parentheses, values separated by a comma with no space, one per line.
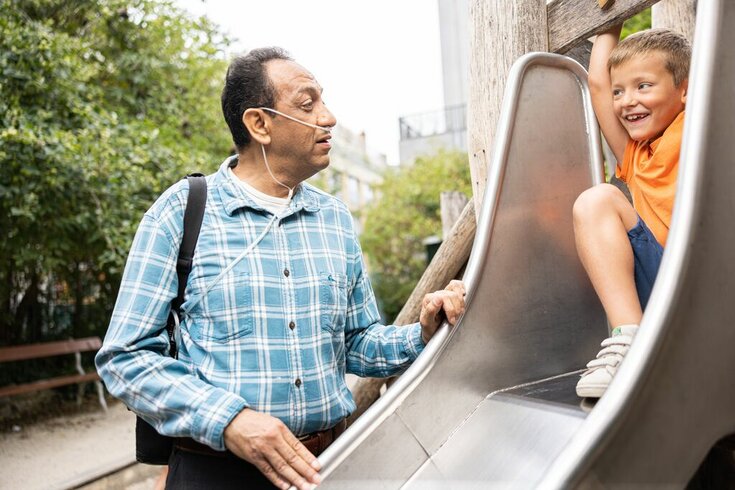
(451,203)
(500,32)
(456,250)
(678,15)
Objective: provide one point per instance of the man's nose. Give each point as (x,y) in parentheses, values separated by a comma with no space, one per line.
(326,118)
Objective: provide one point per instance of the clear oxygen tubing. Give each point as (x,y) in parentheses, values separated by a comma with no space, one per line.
(268,167)
(250,247)
(229,267)
(327,129)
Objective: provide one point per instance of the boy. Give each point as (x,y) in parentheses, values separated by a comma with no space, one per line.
(638,90)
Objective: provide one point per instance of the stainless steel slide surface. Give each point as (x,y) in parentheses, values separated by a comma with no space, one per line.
(492,400)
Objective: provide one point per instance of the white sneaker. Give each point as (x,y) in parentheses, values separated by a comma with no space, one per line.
(600,371)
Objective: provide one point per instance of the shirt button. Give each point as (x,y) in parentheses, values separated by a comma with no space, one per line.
(286,272)
(291,325)
(297,382)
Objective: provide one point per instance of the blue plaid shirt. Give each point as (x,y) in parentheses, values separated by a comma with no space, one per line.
(277,333)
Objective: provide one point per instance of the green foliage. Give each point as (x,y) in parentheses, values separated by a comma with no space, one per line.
(103,104)
(639,22)
(407,212)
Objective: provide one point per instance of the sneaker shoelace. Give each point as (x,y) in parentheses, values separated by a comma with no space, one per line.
(611,355)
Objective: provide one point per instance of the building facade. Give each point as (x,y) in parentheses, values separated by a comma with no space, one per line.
(447,128)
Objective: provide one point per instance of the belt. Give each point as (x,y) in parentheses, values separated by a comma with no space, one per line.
(316,442)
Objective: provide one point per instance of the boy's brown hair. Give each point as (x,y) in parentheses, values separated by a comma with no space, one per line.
(676,50)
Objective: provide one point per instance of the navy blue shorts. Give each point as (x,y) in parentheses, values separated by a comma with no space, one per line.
(647,253)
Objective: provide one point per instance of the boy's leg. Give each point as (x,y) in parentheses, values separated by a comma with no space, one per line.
(602,218)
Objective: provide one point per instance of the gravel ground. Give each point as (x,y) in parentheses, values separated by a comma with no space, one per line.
(64,451)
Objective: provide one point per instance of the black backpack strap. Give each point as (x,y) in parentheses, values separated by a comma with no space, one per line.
(193,216)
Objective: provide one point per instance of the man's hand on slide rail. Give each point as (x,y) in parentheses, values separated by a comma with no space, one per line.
(449,303)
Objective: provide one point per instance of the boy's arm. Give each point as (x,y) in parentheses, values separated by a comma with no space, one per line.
(601,92)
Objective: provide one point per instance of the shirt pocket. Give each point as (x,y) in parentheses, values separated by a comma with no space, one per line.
(225,313)
(333,301)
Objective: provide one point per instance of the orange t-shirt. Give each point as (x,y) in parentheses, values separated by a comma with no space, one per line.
(650,169)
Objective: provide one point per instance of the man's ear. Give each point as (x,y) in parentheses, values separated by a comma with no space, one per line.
(258,125)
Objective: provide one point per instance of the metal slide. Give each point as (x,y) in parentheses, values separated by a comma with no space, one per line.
(481,402)
(492,401)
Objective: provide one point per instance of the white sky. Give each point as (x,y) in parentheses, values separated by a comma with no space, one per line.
(376,59)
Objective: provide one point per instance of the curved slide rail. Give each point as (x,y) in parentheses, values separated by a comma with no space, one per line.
(674,397)
(489,400)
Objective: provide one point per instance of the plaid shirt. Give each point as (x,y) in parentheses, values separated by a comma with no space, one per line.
(277,333)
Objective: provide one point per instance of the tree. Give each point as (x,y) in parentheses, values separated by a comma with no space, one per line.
(103,104)
(407,212)
(636,23)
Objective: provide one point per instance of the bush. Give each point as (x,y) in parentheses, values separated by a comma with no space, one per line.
(103,104)
(407,212)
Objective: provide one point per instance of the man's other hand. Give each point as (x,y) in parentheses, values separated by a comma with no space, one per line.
(449,303)
(267,443)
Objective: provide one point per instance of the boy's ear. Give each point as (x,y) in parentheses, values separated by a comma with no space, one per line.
(684,89)
(258,125)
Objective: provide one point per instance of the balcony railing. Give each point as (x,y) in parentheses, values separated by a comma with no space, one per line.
(450,119)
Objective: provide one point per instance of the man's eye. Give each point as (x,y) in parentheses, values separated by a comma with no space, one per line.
(307,106)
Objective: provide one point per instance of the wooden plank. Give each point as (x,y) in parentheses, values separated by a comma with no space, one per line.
(581,53)
(572,21)
(453,253)
(500,32)
(49,349)
(48,384)
(678,15)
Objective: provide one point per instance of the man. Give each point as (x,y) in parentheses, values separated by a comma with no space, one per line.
(277,306)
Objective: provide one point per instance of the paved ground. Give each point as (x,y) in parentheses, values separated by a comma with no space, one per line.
(65,451)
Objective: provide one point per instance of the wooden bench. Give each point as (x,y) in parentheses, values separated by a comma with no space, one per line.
(51,349)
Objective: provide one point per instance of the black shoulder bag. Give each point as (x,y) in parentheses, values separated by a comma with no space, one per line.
(150,446)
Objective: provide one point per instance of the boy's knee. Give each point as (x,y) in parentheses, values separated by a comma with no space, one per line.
(596,200)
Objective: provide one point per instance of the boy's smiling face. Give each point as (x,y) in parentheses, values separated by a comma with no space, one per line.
(645,98)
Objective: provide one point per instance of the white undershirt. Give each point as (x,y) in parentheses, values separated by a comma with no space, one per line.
(270,203)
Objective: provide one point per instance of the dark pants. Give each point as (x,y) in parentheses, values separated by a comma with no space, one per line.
(647,254)
(192,471)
